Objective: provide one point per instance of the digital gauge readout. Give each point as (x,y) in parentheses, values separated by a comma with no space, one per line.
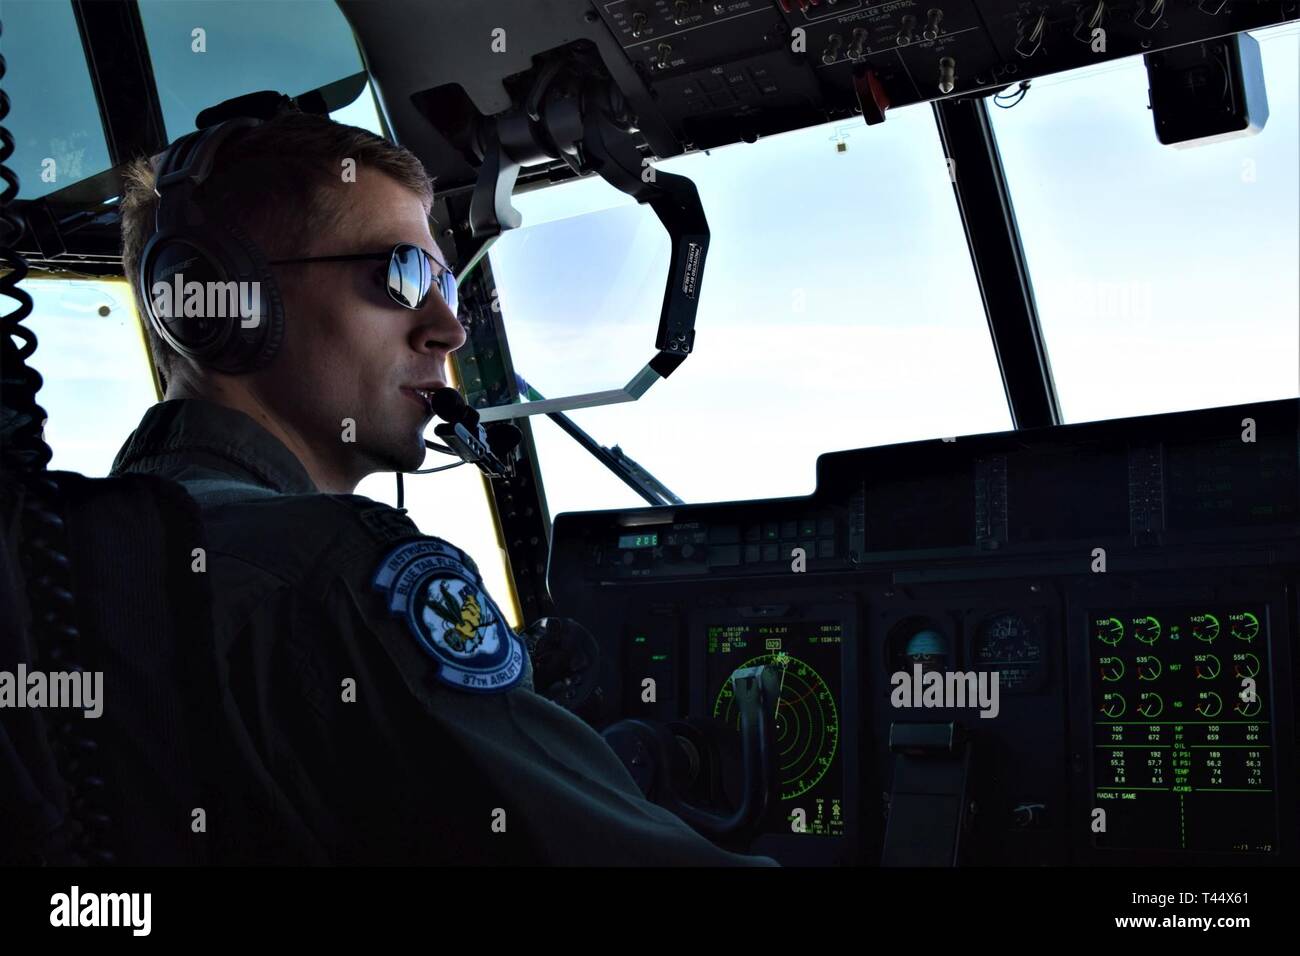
(807,659)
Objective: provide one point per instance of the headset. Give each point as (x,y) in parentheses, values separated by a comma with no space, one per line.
(187,242)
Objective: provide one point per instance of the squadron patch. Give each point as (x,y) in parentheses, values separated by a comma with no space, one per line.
(451,616)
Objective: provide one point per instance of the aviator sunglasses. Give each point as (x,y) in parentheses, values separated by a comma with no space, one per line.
(412,272)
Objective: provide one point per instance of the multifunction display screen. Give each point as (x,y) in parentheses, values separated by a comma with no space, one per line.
(808,712)
(1182,736)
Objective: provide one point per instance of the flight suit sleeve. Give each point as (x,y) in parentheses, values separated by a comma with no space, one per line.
(351,768)
(410,609)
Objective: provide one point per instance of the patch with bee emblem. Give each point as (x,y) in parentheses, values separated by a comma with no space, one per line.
(432,585)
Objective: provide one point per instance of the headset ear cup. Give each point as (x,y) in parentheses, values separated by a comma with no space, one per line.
(215,254)
(219,255)
(170,263)
(253,348)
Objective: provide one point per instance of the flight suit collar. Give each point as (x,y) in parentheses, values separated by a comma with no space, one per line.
(194,438)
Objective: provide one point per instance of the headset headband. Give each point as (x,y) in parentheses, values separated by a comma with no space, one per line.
(188,162)
(184,167)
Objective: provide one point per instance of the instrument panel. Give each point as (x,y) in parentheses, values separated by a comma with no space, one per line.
(969,676)
(701,74)
(723,71)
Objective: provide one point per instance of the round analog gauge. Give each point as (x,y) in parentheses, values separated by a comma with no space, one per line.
(1150,705)
(1148,667)
(1245,665)
(1205,627)
(1209,704)
(1113,705)
(916,641)
(1249,708)
(1245,626)
(1146,629)
(1012,645)
(1112,668)
(1109,630)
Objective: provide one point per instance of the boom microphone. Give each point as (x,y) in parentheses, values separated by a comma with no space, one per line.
(491,450)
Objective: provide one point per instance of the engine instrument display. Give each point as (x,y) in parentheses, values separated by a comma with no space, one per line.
(809,760)
(1182,736)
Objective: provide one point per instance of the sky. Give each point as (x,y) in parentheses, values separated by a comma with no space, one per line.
(838,307)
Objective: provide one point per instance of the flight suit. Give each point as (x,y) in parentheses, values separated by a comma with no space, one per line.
(346,645)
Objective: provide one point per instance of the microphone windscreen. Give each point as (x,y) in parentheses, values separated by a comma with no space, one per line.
(447,404)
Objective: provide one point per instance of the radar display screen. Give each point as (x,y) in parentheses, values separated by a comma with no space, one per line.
(810,763)
(1182,737)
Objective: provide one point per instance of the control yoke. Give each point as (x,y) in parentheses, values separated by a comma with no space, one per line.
(665,764)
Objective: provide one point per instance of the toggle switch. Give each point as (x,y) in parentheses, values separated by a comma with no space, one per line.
(947,75)
(1088,18)
(933,18)
(907,30)
(859,45)
(832,51)
(1149,14)
(1029,35)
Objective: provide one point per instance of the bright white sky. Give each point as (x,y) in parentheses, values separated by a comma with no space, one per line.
(838,307)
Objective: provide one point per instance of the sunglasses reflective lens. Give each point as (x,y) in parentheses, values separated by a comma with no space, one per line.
(410,276)
(407,277)
(447,287)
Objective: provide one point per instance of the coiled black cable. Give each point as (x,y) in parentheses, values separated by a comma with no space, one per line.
(46,567)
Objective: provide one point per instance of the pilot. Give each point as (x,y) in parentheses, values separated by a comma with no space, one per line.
(379,704)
